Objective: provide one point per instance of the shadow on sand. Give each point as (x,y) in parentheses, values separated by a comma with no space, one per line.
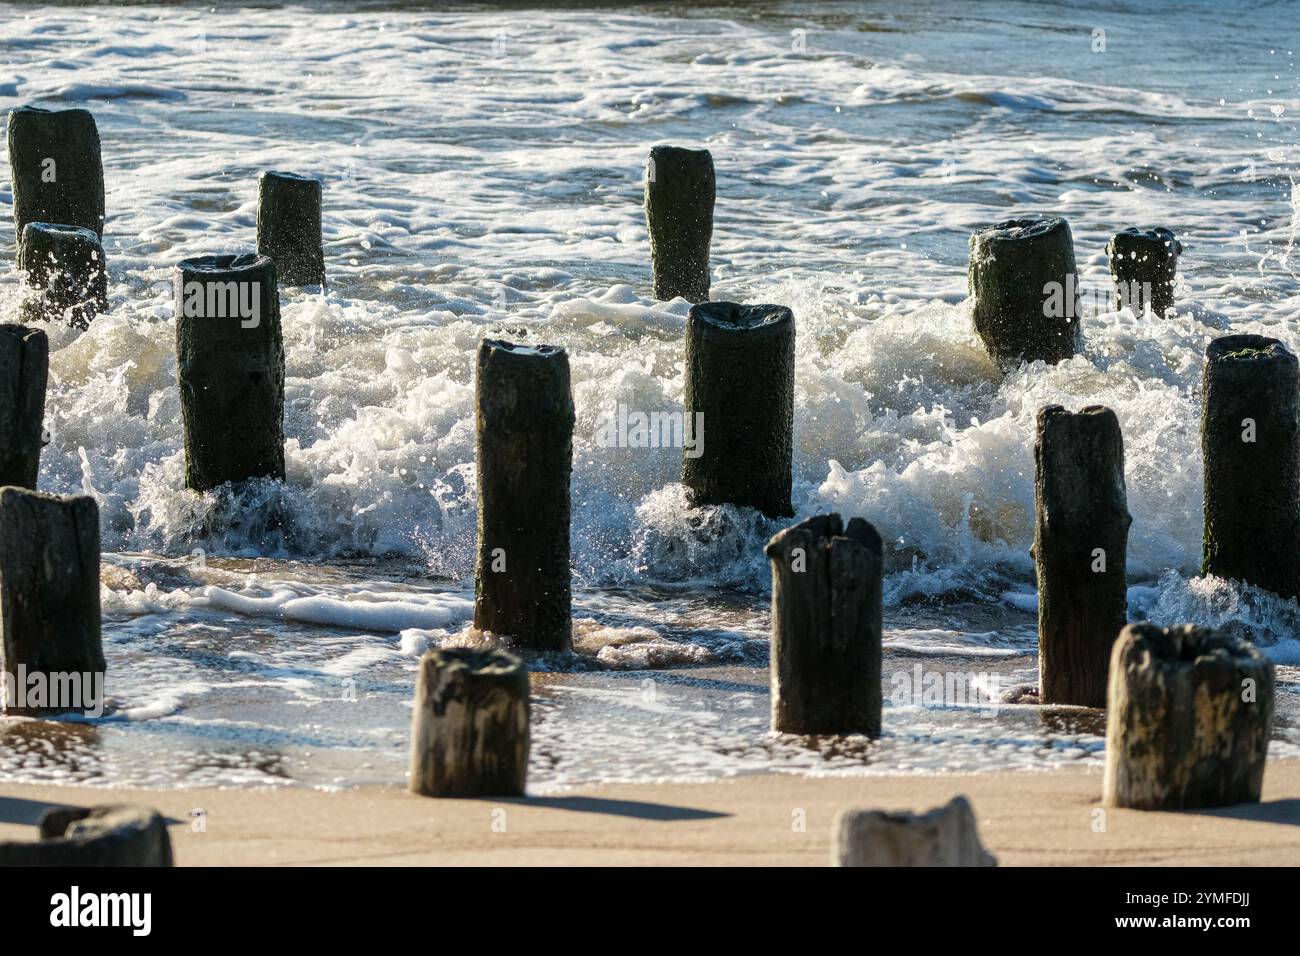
(619,808)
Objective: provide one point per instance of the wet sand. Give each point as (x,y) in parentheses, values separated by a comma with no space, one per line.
(1025,818)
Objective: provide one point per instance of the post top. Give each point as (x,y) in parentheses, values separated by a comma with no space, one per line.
(40,110)
(823,529)
(485,663)
(1028,227)
(223,264)
(1187,645)
(1246,347)
(1135,237)
(681,152)
(523,351)
(290,177)
(62,230)
(732,316)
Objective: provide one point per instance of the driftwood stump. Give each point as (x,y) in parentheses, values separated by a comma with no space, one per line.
(230,369)
(469,728)
(1080,551)
(826,627)
(288,227)
(58,176)
(679,193)
(111,835)
(740,384)
(1023,288)
(66,265)
(1250,437)
(49,601)
(24,370)
(525,455)
(945,836)
(1144,266)
(1188,719)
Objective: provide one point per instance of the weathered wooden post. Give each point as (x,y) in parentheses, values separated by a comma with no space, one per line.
(230,369)
(49,601)
(1250,438)
(65,264)
(1188,719)
(288,227)
(945,836)
(826,627)
(679,192)
(1144,265)
(525,455)
(109,835)
(24,368)
(739,392)
(1023,287)
(1080,551)
(58,176)
(469,728)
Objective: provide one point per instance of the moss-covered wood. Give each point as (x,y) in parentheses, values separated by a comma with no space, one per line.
(57,173)
(1023,288)
(679,194)
(66,274)
(525,456)
(1250,439)
(24,371)
(289,227)
(230,369)
(740,386)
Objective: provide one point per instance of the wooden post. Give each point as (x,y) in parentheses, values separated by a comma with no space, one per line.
(49,600)
(1188,719)
(24,368)
(826,627)
(1250,439)
(288,227)
(945,836)
(679,193)
(1144,265)
(58,176)
(66,265)
(230,369)
(1023,288)
(1080,551)
(525,455)
(109,835)
(740,401)
(469,728)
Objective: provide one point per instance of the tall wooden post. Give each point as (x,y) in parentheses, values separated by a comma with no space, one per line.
(230,369)
(525,455)
(49,600)
(826,627)
(58,176)
(679,194)
(1080,551)
(24,370)
(289,227)
(740,389)
(1250,437)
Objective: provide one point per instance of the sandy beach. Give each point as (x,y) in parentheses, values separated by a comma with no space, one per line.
(1025,819)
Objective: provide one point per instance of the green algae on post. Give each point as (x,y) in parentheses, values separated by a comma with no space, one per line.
(1250,438)
(740,385)
(229,369)
(525,456)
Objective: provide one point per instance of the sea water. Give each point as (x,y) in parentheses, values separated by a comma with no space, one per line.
(483,173)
